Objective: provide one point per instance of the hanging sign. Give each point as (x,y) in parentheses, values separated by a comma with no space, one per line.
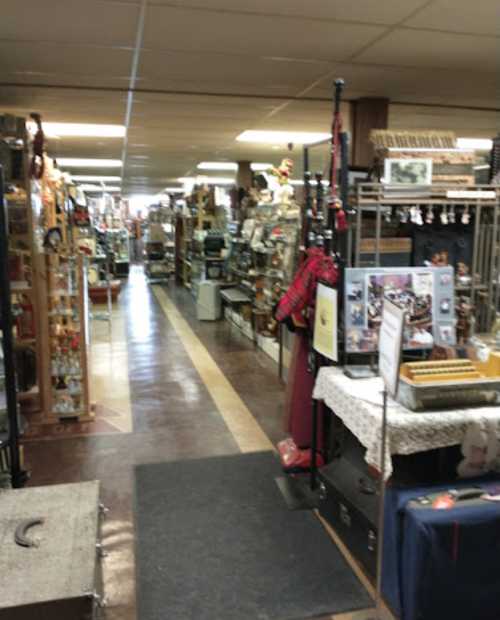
(390,345)
(326,322)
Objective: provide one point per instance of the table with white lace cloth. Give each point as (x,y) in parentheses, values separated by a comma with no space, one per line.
(358,403)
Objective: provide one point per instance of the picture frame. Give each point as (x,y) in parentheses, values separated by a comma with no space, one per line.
(403,171)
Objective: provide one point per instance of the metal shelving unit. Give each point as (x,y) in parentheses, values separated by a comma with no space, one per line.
(481,202)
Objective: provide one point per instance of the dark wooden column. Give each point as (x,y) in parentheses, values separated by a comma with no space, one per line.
(244,175)
(368,113)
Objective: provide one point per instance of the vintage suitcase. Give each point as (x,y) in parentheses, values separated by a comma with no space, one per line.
(349,493)
(442,563)
(58,578)
(349,504)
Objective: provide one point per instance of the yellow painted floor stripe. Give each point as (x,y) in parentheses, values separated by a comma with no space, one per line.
(245,429)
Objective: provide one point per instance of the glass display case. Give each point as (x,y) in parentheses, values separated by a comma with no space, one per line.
(119,248)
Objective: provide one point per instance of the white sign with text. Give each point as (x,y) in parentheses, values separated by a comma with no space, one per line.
(390,345)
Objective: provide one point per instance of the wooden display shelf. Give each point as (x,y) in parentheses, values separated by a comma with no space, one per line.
(27,245)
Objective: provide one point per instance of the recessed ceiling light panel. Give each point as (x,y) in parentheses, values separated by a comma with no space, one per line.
(230,166)
(281,137)
(81,130)
(217,165)
(207,180)
(79,162)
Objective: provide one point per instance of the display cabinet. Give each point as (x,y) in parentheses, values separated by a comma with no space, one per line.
(119,248)
(64,297)
(25,270)
(11,472)
(68,333)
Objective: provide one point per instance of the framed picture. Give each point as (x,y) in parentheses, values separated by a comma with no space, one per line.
(408,171)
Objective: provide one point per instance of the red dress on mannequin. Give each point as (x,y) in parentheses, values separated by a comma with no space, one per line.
(298,305)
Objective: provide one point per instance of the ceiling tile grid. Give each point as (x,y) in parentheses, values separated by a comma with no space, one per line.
(209,69)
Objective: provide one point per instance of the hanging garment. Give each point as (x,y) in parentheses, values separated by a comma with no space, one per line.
(301,294)
(298,304)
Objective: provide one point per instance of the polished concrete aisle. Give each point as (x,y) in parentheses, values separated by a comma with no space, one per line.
(193,391)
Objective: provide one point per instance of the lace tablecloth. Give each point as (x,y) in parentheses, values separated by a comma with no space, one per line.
(358,403)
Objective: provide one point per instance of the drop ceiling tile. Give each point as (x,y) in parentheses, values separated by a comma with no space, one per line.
(415,84)
(460,16)
(56,63)
(70,21)
(155,112)
(465,123)
(219,72)
(419,48)
(281,90)
(111,149)
(282,37)
(71,106)
(390,12)
(199,124)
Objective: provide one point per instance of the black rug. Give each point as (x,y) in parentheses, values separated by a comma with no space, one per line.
(215,541)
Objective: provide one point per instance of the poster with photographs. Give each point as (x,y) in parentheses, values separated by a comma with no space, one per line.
(426,294)
(408,171)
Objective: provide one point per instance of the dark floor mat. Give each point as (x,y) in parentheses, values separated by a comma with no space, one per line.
(215,541)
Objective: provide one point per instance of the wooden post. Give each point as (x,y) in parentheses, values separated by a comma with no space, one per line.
(368,113)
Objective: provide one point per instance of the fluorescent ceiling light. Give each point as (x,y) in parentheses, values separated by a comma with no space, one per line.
(95,178)
(81,130)
(217,165)
(260,167)
(173,190)
(230,166)
(478,144)
(282,137)
(77,162)
(207,180)
(99,188)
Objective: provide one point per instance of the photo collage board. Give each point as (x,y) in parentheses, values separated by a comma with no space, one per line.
(427,294)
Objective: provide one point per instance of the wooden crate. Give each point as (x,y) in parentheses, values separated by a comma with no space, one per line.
(56,579)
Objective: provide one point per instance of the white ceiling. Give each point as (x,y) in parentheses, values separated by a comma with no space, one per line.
(202,71)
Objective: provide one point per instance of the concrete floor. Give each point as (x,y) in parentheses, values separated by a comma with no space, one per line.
(193,391)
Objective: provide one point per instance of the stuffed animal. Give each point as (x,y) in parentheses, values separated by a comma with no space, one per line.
(481,449)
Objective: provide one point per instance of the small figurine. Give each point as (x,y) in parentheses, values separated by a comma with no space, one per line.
(283,193)
(416,216)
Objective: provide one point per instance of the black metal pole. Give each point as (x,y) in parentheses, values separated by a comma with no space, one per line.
(18,476)
(381,509)
(314,445)
(306,159)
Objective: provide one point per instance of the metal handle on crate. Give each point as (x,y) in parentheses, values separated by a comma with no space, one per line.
(101,551)
(372,541)
(322,491)
(103,510)
(98,600)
